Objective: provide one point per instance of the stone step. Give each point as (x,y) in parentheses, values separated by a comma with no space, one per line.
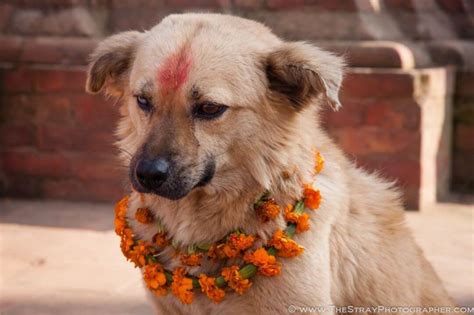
(293,19)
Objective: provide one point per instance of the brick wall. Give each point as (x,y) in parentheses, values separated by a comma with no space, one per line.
(55,140)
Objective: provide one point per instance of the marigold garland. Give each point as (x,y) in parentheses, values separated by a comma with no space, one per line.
(144,215)
(262,260)
(155,279)
(267,264)
(267,210)
(209,287)
(312,198)
(234,279)
(182,286)
(191,259)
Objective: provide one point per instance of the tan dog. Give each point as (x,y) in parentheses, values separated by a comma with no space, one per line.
(215,110)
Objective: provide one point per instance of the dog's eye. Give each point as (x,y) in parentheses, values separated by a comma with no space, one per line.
(144,103)
(209,110)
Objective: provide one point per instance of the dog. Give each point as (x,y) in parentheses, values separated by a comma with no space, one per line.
(216,109)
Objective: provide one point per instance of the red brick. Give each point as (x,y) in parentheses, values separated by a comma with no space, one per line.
(57,50)
(58,80)
(5,13)
(340,5)
(377,84)
(248,4)
(284,4)
(34,163)
(375,55)
(74,138)
(365,140)
(10,48)
(17,135)
(409,5)
(16,80)
(130,5)
(177,4)
(393,114)
(91,190)
(17,108)
(94,111)
(464,137)
(407,172)
(351,114)
(322,5)
(53,108)
(381,112)
(22,186)
(87,167)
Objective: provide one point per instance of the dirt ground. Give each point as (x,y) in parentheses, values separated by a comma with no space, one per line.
(63,258)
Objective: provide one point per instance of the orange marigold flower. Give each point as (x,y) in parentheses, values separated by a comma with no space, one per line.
(236,243)
(155,279)
(138,254)
(266,263)
(286,247)
(182,286)
(241,241)
(160,239)
(144,215)
(234,280)
(216,251)
(289,214)
(126,242)
(209,287)
(302,224)
(312,198)
(120,225)
(268,210)
(230,251)
(191,259)
(121,208)
(301,220)
(319,162)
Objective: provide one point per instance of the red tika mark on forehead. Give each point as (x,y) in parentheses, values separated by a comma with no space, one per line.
(174,71)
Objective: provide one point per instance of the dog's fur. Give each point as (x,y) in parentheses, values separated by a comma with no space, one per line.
(358,251)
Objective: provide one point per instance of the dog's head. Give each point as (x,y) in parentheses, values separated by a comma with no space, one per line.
(204,95)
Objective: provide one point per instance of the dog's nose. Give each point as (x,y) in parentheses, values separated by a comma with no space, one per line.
(151,174)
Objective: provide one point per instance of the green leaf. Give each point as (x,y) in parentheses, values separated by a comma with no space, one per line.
(299,207)
(248,271)
(203,246)
(290,230)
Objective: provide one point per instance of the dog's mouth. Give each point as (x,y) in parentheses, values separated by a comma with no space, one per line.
(208,174)
(175,185)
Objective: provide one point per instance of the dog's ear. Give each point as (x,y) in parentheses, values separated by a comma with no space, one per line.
(110,63)
(299,71)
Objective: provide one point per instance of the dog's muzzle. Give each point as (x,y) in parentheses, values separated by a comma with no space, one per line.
(161,177)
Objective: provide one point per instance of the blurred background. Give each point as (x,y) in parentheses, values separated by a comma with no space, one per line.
(408,112)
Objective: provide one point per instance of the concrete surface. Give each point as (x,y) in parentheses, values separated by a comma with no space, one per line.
(63,258)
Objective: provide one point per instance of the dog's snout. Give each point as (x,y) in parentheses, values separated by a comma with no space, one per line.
(151,174)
